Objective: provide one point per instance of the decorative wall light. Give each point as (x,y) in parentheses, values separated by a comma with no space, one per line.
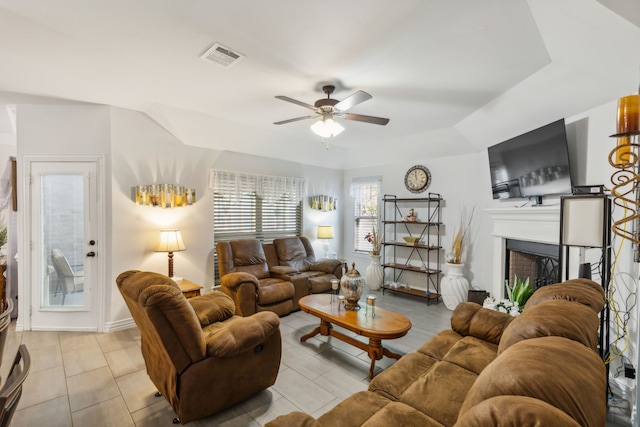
(624,158)
(323,203)
(164,195)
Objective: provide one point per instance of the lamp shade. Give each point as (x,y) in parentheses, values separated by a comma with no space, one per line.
(325,232)
(170,241)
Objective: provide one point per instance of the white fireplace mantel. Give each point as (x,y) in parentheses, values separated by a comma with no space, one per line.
(533,224)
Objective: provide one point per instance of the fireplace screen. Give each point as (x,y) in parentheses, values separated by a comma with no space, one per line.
(537,261)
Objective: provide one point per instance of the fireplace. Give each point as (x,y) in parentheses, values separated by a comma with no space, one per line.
(538,227)
(539,262)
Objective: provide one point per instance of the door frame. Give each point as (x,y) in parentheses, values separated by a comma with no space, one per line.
(25,254)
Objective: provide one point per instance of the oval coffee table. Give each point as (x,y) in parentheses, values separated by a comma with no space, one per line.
(385,325)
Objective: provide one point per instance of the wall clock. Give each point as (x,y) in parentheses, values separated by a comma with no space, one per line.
(417,179)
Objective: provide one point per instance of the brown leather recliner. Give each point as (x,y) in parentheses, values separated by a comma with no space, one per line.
(297,263)
(245,277)
(199,355)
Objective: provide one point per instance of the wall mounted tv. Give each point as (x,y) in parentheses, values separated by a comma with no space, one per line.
(534,164)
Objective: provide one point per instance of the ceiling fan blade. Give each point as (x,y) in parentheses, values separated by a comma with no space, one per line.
(295,101)
(352,100)
(367,119)
(294,120)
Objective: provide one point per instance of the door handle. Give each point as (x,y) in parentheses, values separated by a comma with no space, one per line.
(92,242)
(91,254)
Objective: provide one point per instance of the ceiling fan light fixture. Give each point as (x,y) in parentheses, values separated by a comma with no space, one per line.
(326,128)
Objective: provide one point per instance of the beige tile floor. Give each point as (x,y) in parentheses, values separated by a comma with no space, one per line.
(88,379)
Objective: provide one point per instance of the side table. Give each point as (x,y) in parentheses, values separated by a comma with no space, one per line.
(189,289)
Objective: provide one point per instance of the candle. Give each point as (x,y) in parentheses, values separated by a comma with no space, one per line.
(371,300)
(628,114)
(334,284)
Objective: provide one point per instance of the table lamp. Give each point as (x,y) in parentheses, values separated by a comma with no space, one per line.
(325,232)
(170,241)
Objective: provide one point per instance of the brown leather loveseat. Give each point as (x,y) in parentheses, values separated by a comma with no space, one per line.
(490,369)
(272,276)
(198,353)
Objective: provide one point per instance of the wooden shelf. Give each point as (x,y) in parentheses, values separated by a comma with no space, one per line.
(414,292)
(404,245)
(430,223)
(411,268)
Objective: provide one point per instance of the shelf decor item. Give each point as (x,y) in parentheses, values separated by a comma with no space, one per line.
(374,273)
(352,285)
(454,287)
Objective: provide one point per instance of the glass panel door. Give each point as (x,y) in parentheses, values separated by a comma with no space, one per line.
(64,245)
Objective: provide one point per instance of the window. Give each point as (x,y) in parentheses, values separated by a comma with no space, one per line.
(247,206)
(366,196)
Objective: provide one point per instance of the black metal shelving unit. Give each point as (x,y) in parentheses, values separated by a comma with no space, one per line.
(398,255)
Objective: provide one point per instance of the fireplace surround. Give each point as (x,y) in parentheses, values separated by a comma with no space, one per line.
(538,224)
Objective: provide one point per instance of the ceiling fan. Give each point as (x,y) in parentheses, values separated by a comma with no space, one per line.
(328,108)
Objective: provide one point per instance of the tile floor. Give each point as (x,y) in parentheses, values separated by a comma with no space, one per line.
(88,379)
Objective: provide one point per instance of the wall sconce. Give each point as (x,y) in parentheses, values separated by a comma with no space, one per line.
(325,232)
(323,203)
(164,195)
(170,241)
(624,158)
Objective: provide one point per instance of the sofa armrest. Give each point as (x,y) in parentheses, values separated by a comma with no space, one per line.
(283,270)
(471,319)
(330,266)
(233,280)
(294,419)
(212,307)
(242,334)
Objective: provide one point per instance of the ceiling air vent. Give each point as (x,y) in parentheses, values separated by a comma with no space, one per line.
(222,56)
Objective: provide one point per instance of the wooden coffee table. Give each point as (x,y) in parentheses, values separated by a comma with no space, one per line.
(385,325)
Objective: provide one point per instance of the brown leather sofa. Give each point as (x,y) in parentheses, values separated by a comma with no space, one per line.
(491,369)
(199,355)
(272,276)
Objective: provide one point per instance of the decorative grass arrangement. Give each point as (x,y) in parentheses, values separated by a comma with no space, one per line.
(460,238)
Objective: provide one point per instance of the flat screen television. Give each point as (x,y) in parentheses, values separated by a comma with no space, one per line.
(533,164)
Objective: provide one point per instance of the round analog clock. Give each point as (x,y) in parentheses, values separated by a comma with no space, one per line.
(417,179)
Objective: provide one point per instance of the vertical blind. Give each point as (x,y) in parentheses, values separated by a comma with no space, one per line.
(366,200)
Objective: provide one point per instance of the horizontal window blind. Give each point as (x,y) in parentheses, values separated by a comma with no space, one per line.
(259,207)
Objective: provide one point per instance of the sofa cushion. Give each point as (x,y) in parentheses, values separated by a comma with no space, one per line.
(293,252)
(249,257)
(241,334)
(319,283)
(440,392)
(584,291)
(556,370)
(472,354)
(272,291)
(514,411)
(391,383)
(549,318)
(212,307)
(369,409)
(472,319)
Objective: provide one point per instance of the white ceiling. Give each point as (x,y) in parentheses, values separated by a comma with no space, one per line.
(453,76)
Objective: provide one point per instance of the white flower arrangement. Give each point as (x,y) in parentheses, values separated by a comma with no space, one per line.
(505,306)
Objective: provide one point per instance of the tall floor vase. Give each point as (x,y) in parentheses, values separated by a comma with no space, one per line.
(374,273)
(454,288)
